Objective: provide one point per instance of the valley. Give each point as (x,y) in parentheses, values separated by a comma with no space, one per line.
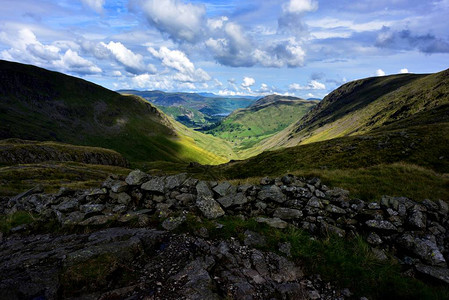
(358,180)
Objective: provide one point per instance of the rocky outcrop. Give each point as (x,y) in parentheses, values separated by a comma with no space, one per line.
(414,233)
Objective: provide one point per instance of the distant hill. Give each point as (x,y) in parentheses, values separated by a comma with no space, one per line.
(263,118)
(37,104)
(191,105)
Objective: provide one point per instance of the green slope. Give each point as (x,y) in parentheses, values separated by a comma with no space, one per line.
(189,116)
(267,116)
(364,105)
(37,104)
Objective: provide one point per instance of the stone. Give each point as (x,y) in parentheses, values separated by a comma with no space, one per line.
(373,205)
(97,192)
(319,194)
(266,181)
(441,275)
(273,222)
(186,199)
(119,187)
(240,199)
(273,193)
(173,223)
(136,177)
(374,239)
(92,208)
(251,238)
(379,254)
(203,190)
(337,193)
(328,229)
(315,202)
(68,205)
(444,207)
(381,225)
(73,218)
(424,248)
(156,185)
(175,181)
(98,220)
(335,209)
(209,207)
(224,189)
(287,213)
(226,201)
(123,198)
(416,219)
(285,248)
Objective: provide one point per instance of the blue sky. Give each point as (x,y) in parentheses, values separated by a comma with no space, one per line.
(305,48)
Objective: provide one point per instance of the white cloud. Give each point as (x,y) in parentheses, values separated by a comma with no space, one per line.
(133,62)
(380,72)
(404,71)
(117,73)
(248,82)
(96,5)
(217,23)
(300,6)
(312,85)
(73,62)
(177,60)
(181,21)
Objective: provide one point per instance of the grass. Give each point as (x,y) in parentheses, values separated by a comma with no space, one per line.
(247,127)
(54,175)
(347,262)
(7,222)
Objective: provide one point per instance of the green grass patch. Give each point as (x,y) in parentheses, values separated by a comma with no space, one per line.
(7,222)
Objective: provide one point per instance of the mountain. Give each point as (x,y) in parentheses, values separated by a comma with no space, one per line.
(37,104)
(365,105)
(213,107)
(263,118)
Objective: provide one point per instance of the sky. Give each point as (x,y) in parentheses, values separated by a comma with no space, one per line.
(305,48)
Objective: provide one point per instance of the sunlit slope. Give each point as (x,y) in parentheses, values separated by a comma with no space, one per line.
(37,104)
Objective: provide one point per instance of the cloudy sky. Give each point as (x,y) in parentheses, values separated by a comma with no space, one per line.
(299,47)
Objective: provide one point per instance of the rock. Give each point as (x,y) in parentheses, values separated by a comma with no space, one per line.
(335,209)
(98,220)
(379,254)
(254,239)
(97,192)
(287,213)
(266,181)
(136,177)
(203,190)
(68,205)
(424,248)
(92,208)
(444,207)
(328,229)
(337,193)
(319,194)
(175,181)
(315,202)
(156,185)
(285,248)
(273,193)
(374,239)
(226,201)
(373,205)
(441,275)
(416,219)
(209,207)
(381,225)
(173,223)
(123,198)
(186,199)
(273,222)
(73,218)
(119,187)
(240,199)
(224,189)
(133,215)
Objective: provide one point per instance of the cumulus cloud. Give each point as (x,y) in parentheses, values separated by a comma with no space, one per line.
(248,82)
(177,60)
(312,85)
(380,72)
(403,71)
(72,61)
(132,62)
(96,5)
(26,47)
(292,13)
(181,21)
(406,40)
(300,6)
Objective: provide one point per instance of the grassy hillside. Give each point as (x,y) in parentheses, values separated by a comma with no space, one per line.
(265,117)
(190,117)
(37,104)
(16,151)
(365,105)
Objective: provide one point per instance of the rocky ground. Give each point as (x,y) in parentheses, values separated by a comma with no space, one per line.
(125,240)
